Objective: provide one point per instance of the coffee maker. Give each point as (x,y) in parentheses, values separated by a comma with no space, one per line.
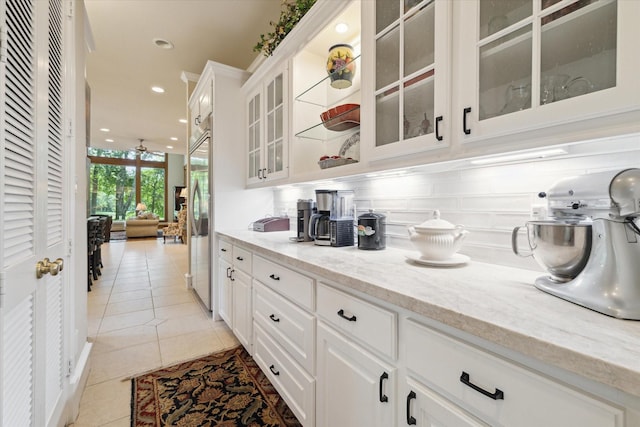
(590,242)
(333,225)
(306,208)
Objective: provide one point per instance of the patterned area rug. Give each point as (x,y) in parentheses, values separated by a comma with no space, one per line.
(225,389)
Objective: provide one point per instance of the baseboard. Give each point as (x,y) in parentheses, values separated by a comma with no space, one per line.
(77,383)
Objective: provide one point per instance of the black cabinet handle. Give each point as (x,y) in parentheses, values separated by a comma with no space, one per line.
(233,279)
(350,319)
(410,420)
(383,398)
(228,272)
(239,258)
(223,250)
(264,173)
(496,395)
(273,370)
(259,173)
(465,128)
(438,136)
(274,277)
(274,318)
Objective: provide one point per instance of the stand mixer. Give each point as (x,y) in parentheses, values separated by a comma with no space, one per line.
(590,244)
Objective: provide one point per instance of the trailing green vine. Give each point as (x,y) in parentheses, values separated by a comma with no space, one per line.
(292,12)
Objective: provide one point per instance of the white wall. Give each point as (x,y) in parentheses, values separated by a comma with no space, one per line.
(490,201)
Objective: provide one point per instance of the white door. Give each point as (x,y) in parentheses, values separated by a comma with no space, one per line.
(242,311)
(354,389)
(425,408)
(31,200)
(225,270)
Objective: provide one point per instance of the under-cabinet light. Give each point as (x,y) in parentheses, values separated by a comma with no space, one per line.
(519,156)
(386,174)
(183,121)
(157,89)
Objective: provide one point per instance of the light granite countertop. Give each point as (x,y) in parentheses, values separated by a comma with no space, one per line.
(498,304)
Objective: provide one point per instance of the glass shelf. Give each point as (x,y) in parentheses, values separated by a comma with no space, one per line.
(337,129)
(317,94)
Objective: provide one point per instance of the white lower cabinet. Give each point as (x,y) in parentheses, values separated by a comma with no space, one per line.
(241,311)
(496,390)
(354,388)
(340,360)
(425,408)
(225,293)
(293,383)
(288,325)
(234,291)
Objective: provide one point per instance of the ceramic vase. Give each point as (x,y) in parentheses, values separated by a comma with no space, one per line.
(341,66)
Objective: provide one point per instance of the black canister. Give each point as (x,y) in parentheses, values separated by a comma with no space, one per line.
(371,231)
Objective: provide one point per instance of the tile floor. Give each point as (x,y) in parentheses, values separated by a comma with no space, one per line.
(141,317)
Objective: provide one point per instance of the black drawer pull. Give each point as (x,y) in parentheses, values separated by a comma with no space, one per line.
(496,395)
(438,136)
(383,397)
(350,319)
(273,370)
(239,258)
(274,277)
(228,272)
(410,420)
(223,250)
(274,318)
(465,128)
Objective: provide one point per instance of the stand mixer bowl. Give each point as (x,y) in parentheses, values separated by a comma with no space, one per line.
(561,248)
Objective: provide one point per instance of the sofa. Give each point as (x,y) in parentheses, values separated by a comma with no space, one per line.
(144,225)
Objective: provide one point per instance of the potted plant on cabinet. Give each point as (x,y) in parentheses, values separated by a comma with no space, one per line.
(291,13)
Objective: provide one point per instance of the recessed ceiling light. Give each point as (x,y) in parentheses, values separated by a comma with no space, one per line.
(173,138)
(109,140)
(157,89)
(170,147)
(342,28)
(183,121)
(163,44)
(104,130)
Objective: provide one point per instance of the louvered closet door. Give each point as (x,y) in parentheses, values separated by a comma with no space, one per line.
(31,162)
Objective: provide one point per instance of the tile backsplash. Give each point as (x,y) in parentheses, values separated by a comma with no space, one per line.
(489,200)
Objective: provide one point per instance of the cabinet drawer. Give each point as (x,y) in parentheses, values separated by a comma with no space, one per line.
(290,326)
(225,250)
(373,325)
(242,259)
(294,286)
(295,386)
(497,390)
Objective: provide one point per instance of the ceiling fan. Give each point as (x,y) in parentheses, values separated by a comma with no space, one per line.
(140,148)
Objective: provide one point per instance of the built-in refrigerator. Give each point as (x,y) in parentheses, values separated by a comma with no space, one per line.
(200,209)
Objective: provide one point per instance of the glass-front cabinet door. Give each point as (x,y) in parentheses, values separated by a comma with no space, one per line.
(411,75)
(274,137)
(528,64)
(266,117)
(254,132)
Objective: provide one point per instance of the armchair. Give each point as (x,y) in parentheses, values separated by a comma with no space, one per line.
(176,229)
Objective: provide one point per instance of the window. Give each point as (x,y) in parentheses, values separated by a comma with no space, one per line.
(119,180)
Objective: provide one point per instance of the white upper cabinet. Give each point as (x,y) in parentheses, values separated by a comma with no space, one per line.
(526,65)
(266,127)
(411,67)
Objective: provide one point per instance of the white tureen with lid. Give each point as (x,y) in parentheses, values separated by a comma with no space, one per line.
(436,238)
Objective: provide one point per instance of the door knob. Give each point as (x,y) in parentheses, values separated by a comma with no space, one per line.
(46,266)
